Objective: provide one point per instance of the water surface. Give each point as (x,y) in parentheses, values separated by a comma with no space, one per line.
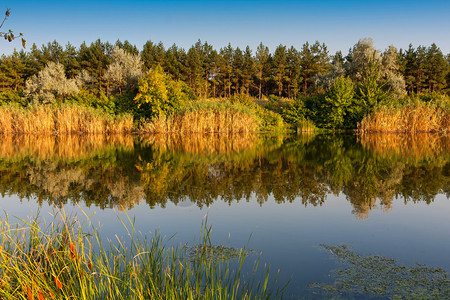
(384,195)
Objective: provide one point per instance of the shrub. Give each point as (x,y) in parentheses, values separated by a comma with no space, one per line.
(268,119)
(293,112)
(10,96)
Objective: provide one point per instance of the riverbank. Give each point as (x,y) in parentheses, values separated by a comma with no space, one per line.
(238,114)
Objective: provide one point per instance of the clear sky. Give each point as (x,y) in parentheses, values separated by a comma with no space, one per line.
(338,24)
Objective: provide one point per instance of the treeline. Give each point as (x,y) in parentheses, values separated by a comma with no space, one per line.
(332,91)
(286,72)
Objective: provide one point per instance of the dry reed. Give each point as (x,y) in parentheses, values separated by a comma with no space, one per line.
(202,121)
(61,119)
(421,117)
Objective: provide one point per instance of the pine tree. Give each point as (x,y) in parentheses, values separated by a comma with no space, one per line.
(238,62)
(409,66)
(262,58)
(226,68)
(248,71)
(194,64)
(95,60)
(294,77)
(280,68)
(12,71)
(152,55)
(435,68)
(70,61)
(314,59)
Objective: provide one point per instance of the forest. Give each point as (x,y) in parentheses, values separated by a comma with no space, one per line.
(158,87)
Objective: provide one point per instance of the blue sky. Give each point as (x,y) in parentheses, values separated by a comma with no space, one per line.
(338,24)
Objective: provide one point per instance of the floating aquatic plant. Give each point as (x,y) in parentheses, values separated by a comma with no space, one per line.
(375,277)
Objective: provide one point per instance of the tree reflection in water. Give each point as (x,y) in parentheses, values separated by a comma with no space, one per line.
(120,171)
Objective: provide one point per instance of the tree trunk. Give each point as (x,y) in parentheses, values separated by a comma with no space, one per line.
(260,83)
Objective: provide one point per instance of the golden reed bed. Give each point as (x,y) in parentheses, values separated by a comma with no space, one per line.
(61,119)
(410,118)
(200,121)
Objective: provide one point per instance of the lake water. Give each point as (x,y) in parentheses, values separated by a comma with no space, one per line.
(284,196)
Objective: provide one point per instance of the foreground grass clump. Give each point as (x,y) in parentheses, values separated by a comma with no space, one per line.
(63,261)
(61,119)
(413,117)
(205,117)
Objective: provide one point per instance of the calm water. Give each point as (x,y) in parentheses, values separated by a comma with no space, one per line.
(385,195)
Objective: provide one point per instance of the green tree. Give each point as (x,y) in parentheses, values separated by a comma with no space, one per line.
(238,63)
(95,59)
(294,77)
(13,71)
(280,68)
(338,103)
(152,55)
(214,71)
(409,67)
(435,69)
(195,68)
(314,59)
(208,58)
(248,71)
(226,68)
(261,64)
(159,94)
(70,61)
(371,87)
(175,62)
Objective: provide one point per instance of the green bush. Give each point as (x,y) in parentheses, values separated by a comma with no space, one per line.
(269,120)
(294,111)
(86,98)
(273,103)
(124,104)
(10,97)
